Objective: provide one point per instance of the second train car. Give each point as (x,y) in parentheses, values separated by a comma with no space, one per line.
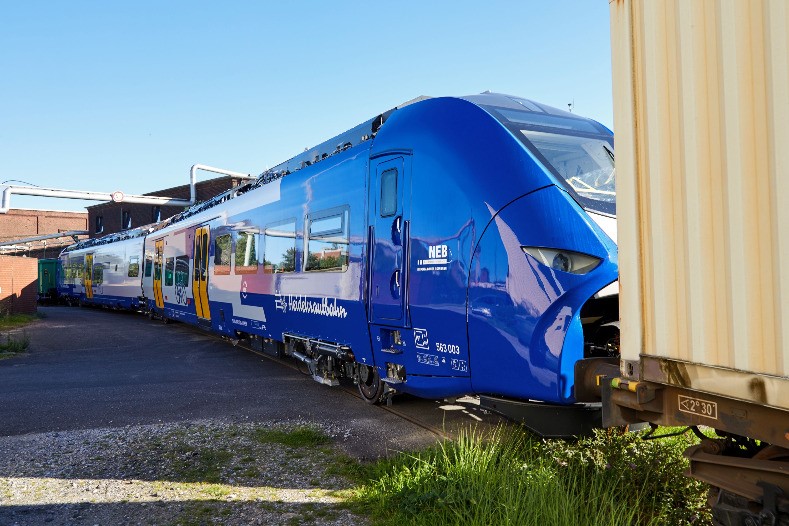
(448,246)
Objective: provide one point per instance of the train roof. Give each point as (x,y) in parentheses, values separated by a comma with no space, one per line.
(496,104)
(111,238)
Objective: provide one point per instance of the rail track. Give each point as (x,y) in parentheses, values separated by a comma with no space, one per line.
(351,390)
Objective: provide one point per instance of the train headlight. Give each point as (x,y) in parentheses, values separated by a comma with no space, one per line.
(563,260)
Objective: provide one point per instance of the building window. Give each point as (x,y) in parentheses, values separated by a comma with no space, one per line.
(327,244)
(126,222)
(156,214)
(99,224)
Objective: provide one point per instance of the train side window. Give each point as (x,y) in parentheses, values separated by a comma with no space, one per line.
(169,266)
(182,271)
(246,253)
(134,266)
(98,274)
(223,245)
(280,248)
(389,193)
(76,265)
(328,240)
(148,265)
(157,270)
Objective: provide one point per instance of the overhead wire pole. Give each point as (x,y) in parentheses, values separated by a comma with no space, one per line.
(117,196)
(28,243)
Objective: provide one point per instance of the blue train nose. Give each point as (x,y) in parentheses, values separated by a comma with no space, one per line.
(529,283)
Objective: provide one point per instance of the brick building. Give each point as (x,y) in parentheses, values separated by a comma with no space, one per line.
(18,284)
(20,224)
(109,218)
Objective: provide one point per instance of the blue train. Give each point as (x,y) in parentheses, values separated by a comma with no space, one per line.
(448,246)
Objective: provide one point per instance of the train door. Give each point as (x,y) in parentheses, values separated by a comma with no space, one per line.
(388,242)
(200,274)
(158,258)
(88,280)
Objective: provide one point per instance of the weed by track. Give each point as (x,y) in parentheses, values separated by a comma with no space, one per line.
(12,342)
(511,477)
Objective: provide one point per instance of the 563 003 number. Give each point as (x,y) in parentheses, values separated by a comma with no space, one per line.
(448,348)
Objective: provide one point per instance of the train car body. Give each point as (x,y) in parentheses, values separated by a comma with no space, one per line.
(104,272)
(702,120)
(47,279)
(443,248)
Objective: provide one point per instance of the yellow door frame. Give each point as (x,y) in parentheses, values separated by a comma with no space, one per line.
(200,274)
(157,273)
(89,276)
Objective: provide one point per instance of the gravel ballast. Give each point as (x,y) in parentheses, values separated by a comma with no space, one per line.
(205,472)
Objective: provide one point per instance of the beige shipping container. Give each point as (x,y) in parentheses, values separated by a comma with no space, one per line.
(701,117)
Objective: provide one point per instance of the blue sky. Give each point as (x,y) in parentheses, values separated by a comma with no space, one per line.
(127,96)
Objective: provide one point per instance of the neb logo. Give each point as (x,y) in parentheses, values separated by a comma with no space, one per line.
(437,251)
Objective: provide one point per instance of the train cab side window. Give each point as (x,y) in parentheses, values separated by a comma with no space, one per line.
(169,266)
(246,253)
(280,248)
(223,245)
(148,265)
(134,266)
(389,193)
(328,241)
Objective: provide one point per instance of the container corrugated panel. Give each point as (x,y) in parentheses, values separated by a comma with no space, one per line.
(701,119)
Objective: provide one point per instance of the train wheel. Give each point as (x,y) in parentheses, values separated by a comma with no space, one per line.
(370,385)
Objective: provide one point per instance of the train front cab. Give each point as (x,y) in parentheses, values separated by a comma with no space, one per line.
(490,304)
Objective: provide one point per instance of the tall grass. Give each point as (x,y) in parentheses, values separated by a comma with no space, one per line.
(510,477)
(11,344)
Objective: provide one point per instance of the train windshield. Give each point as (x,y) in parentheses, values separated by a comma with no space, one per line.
(586,164)
(578,151)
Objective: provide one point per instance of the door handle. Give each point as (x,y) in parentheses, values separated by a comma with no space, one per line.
(394,284)
(397,227)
